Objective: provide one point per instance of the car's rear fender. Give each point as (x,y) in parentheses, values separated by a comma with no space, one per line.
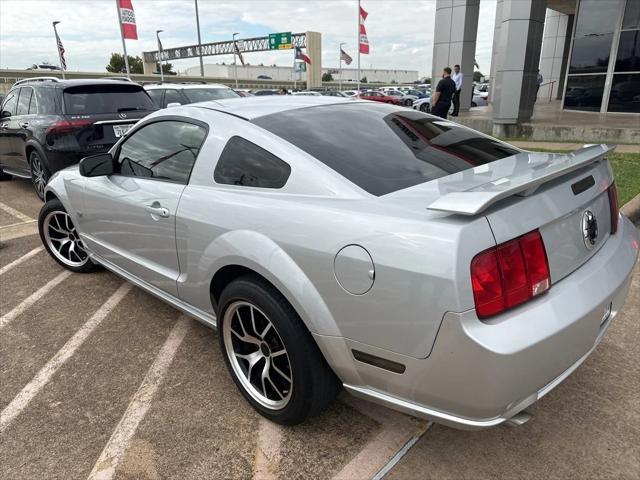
(258,253)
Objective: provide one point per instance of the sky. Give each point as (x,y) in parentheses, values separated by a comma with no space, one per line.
(400,31)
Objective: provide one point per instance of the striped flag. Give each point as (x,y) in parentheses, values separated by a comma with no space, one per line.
(345,57)
(301,56)
(63,62)
(128,19)
(364,40)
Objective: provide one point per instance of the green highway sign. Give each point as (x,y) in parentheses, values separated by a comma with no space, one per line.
(280,41)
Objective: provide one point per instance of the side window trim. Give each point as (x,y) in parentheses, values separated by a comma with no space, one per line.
(169,118)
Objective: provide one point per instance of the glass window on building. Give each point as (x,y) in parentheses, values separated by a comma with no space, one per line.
(631,18)
(625,93)
(584,92)
(625,85)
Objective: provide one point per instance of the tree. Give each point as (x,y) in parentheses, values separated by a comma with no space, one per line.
(477,76)
(363,80)
(117,65)
(166,68)
(327,77)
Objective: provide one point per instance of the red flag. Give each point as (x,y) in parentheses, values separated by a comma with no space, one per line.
(301,56)
(364,41)
(128,20)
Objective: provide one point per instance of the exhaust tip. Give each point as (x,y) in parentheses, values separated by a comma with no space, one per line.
(519,419)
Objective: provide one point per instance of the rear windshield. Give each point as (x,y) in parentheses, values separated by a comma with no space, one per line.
(205,94)
(96,99)
(383,148)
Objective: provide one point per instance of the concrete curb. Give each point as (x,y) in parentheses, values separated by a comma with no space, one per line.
(631,209)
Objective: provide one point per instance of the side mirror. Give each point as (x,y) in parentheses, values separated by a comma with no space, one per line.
(5,114)
(97,165)
(174,104)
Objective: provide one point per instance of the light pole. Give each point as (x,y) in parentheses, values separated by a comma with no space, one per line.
(199,41)
(340,78)
(235,63)
(63,67)
(158,32)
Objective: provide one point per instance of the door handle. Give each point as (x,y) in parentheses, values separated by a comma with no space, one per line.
(155,209)
(24,124)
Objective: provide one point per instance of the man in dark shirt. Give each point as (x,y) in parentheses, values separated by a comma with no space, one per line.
(441,99)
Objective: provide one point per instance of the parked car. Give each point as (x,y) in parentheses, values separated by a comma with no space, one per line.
(264,92)
(174,94)
(264,77)
(308,93)
(333,93)
(336,242)
(403,98)
(243,92)
(424,104)
(45,66)
(377,96)
(48,124)
(350,93)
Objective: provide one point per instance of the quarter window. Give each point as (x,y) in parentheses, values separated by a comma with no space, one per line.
(163,150)
(245,163)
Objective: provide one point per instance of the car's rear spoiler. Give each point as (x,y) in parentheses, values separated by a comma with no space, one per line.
(520,174)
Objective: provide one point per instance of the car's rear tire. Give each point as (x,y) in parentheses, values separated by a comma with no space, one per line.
(474,104)
(424,107)
(271,356)
(408,102)
(60,238)
(39,173)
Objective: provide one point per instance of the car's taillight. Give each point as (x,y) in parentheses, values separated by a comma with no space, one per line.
(509,274)
(613,206)
(65,127)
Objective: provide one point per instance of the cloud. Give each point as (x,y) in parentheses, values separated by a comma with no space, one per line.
(400,31)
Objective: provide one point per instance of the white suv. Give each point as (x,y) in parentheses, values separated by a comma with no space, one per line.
(174,94)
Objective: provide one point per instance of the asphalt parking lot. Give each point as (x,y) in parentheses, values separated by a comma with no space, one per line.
(100,380)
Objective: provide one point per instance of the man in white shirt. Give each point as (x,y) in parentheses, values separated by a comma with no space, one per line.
(457,77)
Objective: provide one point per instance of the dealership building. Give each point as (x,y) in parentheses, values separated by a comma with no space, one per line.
(588,52)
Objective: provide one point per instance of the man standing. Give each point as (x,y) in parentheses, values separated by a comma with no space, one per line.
(539,80)
(457,77)
(441,99)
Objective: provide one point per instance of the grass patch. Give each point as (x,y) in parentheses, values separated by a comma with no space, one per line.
(626,169)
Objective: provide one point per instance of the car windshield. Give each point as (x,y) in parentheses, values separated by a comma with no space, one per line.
(96,99)
(205,94)
(383,148)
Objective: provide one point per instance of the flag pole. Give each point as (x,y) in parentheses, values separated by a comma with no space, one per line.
(124,44)
(295,72)
(55,30)
(340,66)
(358,46)
(199,41)
(158,32)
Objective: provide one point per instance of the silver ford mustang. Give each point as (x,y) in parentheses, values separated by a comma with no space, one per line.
(342,243)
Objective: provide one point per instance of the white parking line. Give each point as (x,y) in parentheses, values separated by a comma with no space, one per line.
(23,398)
(33,298)
(105,467)
(265,465)
(399,432)
(18,261)
(15,213)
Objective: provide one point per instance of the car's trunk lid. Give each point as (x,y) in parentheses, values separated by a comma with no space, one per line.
(562,195)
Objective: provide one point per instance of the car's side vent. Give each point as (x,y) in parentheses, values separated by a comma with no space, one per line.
(582,185)
(379,362)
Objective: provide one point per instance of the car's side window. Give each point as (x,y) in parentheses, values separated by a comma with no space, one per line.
(10,103)
(23,100)
(33,104)
(245,163)
(164,150)
(172,96)
(156,96)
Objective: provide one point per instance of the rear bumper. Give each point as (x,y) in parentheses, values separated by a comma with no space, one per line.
(481,374)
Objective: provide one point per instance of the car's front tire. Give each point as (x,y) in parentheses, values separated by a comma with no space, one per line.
(271,356)
(61,240)
(424,107)
(39,173)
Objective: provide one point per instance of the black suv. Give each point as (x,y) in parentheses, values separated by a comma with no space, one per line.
(47,124)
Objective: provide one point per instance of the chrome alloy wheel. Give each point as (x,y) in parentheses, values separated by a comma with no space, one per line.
(63,239)
(38,175)
(257,355)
